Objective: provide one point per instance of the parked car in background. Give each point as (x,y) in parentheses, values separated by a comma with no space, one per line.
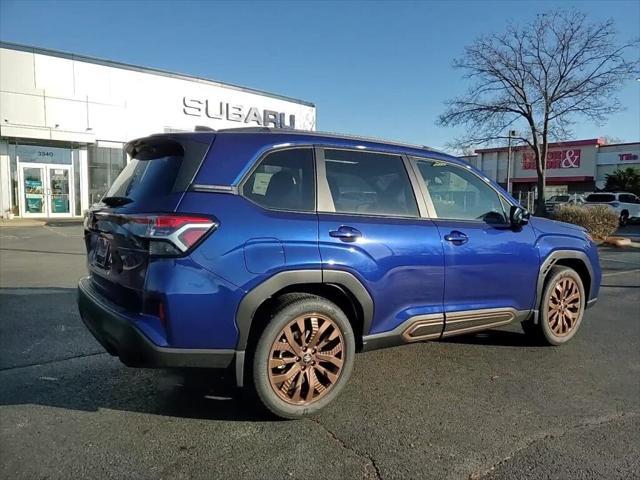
(626,205)
(564,199)
(279,254)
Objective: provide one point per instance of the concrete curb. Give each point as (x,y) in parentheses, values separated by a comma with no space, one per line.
(22,222)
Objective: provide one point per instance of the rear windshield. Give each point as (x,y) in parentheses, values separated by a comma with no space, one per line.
(146,178)
(601,197)
(158,168)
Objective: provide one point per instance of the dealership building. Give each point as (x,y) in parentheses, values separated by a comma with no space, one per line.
(572,167)
(64,119)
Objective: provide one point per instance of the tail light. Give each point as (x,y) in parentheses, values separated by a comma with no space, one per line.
(168,235)
(171,235)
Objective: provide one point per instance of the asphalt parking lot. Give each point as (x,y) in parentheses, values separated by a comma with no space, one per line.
(489,405)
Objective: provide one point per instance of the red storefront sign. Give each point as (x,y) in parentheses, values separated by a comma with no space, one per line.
(556,159)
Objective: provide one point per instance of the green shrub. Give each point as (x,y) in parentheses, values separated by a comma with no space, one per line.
(599,220)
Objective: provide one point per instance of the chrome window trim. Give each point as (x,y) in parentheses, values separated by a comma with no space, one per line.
(324,199)
(207,188)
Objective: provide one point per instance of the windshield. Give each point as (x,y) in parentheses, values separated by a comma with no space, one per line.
(601,197)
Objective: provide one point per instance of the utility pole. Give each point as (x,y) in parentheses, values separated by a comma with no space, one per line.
(512,133)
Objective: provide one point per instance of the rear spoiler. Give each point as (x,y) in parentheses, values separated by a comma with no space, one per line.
(149,148)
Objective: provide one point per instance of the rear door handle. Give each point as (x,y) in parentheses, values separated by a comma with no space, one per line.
(346,233)
(456,237)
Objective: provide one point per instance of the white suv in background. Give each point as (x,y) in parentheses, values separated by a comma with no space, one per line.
(563,199)
(626,205)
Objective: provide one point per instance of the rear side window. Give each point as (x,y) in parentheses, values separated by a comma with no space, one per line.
(601,197)
(158,168)
(369,183)
(284,180)
(628,198)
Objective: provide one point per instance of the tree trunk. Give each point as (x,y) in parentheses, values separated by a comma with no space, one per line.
(540,210)
(541,161)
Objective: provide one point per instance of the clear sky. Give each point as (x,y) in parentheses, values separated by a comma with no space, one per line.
(372,68)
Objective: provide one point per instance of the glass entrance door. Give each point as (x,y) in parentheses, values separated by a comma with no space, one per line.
(46,190)
(32,191)
(59,190)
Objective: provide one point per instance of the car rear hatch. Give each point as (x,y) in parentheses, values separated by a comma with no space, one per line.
(136,220)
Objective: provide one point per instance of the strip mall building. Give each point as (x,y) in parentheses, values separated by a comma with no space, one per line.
(572,167)
(64,119)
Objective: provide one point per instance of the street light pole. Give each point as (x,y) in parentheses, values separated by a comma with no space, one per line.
(512,133)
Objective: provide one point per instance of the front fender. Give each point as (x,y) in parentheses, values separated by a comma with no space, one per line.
(555,248)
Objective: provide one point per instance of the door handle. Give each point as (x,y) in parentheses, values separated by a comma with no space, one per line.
(456,237)
(346,234)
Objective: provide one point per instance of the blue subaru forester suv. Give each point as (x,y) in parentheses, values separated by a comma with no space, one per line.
(280,254)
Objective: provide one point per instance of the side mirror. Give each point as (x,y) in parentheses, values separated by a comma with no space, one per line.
(518,216)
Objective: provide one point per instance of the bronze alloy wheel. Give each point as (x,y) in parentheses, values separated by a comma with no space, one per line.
(306,359)
(564,307)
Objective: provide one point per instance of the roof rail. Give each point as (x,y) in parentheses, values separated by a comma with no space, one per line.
(327,134)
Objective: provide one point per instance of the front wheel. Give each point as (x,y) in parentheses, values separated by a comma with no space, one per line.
(624,219)
(304,356)
(561,308)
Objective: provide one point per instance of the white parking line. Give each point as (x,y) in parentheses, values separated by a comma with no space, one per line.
(60,233)
(619,261)
(620,273)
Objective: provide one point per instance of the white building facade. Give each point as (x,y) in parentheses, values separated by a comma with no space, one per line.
(64,120)
(572,167)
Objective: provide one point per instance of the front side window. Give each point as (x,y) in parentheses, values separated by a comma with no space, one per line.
(369,183)
(284,180)
(458,194)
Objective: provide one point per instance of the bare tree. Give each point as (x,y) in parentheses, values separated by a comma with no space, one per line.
(610,139)
(540,78)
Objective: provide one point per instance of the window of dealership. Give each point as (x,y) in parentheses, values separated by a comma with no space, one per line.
(64,120)
(48,179)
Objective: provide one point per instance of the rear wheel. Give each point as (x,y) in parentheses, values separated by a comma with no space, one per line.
(561,308)
(304,357)
(624,218)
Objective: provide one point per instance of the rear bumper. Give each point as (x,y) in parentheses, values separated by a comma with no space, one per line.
(120,337)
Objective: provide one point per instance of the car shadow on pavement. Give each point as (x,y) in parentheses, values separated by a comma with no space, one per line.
(497,338)
(104,383)
(48,358)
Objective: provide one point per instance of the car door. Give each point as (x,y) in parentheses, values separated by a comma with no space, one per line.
(630,203)
(491,270)
(372,226)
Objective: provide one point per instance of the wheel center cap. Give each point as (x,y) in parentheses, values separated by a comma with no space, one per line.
(306,358)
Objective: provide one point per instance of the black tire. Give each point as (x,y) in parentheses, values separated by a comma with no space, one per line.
(624,218)
(544,330)
(287,310)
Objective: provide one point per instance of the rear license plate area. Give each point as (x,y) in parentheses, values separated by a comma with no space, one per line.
(102,255)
